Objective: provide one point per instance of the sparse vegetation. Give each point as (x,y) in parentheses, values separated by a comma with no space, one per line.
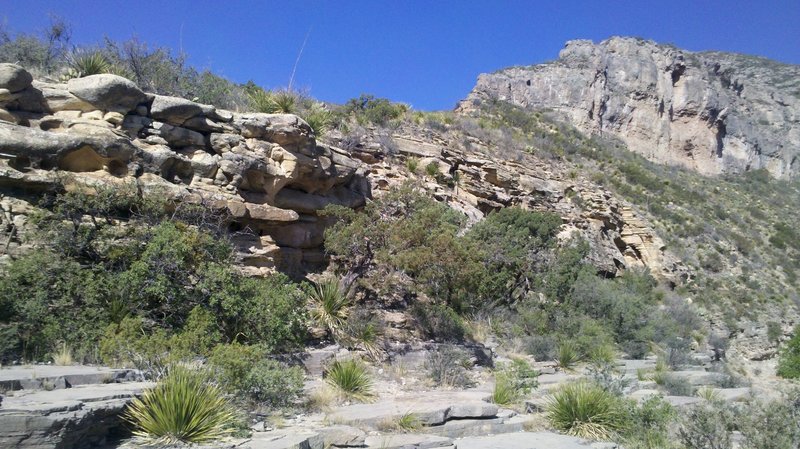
(449,366)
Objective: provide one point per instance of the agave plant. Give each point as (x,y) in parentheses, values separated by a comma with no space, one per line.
(351,379)
(183,407)
(330,306)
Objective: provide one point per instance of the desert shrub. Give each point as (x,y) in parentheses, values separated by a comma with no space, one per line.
(587,411)
(362,330)
(513,381)
(412,164)
(649,425)
(541,347)
(247,372)
(677,386)
(707,426)
(771,424)
(449,366)
(606,376)
(49,300)
(432,169)
(511,238)
(351,379)
(368,108)
(789,359)
(439,322)
(182,408)
(774,331)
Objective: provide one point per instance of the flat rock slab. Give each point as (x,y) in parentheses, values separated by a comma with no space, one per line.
(286,439)
(70,398)
(408,441)
(37,377)
(698,378)
(523,440)
(77,417)
(733,394)
(432,408)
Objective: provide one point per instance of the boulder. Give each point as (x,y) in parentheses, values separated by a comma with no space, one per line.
(287,130)
(14,78)
(67,151)
(107,92)
(174,110)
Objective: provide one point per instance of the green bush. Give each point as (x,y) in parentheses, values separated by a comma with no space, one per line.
(513,381)
(182,408)
(587,411)
(439,322)
(247,372)
(789,359)
(707,426)
(368,108)
(649,425)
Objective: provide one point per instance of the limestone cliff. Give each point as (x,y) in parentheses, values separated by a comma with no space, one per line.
(267,170)
(709,111)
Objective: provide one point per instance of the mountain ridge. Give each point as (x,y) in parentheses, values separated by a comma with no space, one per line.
(712,112)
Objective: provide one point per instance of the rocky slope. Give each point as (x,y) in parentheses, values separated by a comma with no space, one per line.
(270,173)
(266,170)
(711,112)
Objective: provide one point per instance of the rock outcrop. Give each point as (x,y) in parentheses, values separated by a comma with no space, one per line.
(267,170)
(473,180)
(711,112)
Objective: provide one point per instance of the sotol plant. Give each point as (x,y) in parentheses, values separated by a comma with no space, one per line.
(587,411)
(183,407)
(330,306)
(351,380)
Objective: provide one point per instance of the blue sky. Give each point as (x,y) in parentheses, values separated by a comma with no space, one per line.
(426,53)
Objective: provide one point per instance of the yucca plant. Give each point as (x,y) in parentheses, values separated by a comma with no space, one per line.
(285,101)
(319,119)
(602,354)
(262,101)
(88,63)
(183,407)
(330,306)
(585,410)
(351,380)
(567,355)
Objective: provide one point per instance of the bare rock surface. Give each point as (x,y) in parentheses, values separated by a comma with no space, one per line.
(712,112)
(82,416)
(523,440)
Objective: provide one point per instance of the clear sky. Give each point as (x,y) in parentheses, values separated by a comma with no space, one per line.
(427,53)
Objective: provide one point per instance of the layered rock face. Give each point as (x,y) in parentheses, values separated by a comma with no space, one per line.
(711,112)
(267,170)
(474,181)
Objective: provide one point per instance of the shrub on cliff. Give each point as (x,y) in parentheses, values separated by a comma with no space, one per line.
(789,360)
